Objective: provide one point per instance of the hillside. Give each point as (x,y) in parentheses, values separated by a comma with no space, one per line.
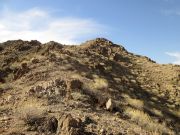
(96,88)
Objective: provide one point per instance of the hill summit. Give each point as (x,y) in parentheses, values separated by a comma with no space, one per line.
(95,88)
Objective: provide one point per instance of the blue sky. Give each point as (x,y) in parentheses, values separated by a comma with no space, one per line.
(146,27)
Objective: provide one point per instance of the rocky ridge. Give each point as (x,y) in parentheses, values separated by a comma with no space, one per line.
(95,88)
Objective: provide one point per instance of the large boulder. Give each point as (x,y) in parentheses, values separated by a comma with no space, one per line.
(70,126)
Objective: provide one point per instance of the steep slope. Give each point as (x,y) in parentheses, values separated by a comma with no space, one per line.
(97,87)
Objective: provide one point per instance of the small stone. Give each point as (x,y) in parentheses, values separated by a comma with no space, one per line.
(131,89)
(133,81)
(9,98)
(102,131)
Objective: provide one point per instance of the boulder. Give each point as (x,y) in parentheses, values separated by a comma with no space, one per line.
(110,105)
(52,124)
(69,125)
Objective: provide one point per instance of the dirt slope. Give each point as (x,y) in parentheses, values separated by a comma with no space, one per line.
(95,88)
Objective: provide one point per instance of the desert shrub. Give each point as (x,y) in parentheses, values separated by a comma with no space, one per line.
(30,113)
(76,84)
(36,119)
(94,90)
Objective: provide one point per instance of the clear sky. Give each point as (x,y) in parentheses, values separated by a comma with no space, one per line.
(146,27)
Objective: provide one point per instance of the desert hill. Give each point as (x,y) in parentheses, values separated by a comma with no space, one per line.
(95,88)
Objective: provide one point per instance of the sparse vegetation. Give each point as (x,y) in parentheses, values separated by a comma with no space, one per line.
(144,120)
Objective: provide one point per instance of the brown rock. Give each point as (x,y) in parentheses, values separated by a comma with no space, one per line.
(52,124)
(69,126)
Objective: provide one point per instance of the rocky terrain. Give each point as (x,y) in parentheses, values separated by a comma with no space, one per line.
(96,88)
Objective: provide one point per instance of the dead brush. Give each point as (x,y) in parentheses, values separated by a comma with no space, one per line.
(31,114)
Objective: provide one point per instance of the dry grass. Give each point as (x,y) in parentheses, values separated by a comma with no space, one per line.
(136,103)
(18,64)
(79,97)
(76,76)
(176,112)
(100,83)
(145,121)
(157,112)
(97,84)
(9,78)
(6,86)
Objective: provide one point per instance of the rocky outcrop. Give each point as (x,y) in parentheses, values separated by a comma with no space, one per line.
(70,126)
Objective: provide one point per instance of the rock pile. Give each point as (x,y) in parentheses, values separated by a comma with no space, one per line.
(51,89)
(21,71)
(42,124)
(56,89)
